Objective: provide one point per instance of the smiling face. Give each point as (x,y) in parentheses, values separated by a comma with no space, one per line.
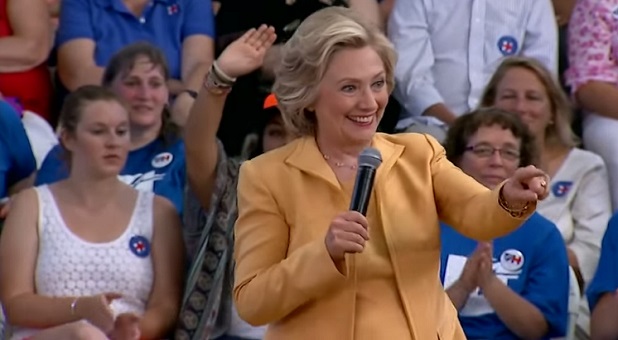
(144,89)
(522,92)
(351,96)
(492,155)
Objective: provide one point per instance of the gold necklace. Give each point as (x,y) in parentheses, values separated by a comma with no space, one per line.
(339,164)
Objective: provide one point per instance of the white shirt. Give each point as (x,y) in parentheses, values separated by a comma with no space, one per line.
(579,204)
(40,134)
(448,49)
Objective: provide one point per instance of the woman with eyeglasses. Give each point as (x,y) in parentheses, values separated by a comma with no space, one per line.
(579,200)
(517,286)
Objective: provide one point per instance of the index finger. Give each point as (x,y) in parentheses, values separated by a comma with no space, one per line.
(355,216)
(523,174)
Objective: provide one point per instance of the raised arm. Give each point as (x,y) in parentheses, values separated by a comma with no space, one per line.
(241,57)
(472,209)
(32,37)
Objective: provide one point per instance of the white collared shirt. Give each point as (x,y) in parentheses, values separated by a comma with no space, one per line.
(448,49)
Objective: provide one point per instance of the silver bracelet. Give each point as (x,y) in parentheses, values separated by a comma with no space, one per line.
(223,78)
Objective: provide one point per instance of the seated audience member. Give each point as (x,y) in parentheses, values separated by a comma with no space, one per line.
(579,200)
(96,259)
(40,133)
(138,74)
(516,287)
(593,79)
(17,162)
(92,31)
(603,290)
(448,49)
(210,210)
(235,17)
(26,37)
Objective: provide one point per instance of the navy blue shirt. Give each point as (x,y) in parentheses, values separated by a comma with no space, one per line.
(154,167)
(17,161)
(164,23)
(531,260)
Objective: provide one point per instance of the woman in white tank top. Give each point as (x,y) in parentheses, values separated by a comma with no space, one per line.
(90,257)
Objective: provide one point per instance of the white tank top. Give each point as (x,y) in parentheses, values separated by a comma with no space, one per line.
(70,266)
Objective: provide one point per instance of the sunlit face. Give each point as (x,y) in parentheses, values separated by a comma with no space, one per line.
(492,155)
(101,140)
(522,92)
(351,96)
(275,134)
(145,90)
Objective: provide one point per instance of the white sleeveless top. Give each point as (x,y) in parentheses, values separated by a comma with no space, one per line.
(70,266)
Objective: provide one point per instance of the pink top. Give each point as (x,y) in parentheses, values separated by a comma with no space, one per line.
(593,43)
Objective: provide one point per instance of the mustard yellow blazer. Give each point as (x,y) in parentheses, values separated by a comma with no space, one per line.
(287,199)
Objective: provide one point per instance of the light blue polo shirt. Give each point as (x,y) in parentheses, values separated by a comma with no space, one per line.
(164,23)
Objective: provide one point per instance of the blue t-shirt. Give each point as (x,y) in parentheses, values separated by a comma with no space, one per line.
(154,167)
(164,23)
(17,161)
(605,279)
(532,260)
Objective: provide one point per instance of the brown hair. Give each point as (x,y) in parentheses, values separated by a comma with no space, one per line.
(123,62)
(467,125)
(562,114)
(76,101)
(306,56)
(73,108)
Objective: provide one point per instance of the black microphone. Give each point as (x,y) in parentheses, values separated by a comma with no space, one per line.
(368,162)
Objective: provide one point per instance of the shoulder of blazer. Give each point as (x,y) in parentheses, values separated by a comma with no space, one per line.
(274,160)
(415,144)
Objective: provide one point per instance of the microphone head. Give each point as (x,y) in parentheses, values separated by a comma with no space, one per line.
(370,157)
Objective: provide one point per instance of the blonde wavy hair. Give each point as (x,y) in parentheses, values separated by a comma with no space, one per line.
(307,55)
(562,112)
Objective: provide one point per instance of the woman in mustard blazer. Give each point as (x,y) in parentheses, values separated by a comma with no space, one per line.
(307,266)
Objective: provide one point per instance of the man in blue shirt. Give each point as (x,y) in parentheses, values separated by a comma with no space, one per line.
(90,32)
(602,291)
(17,161)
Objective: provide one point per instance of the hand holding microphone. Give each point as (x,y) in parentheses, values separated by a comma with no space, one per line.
(348,231)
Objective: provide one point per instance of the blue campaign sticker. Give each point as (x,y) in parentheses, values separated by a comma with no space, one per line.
(507,45)
(140,246)
(561,188)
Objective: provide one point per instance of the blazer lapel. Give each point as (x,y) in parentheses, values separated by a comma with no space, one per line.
(307,157)
(390,154)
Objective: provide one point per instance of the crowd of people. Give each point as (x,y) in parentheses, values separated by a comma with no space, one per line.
(185,169)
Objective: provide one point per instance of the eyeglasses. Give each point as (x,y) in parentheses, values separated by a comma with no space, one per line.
(486,151)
